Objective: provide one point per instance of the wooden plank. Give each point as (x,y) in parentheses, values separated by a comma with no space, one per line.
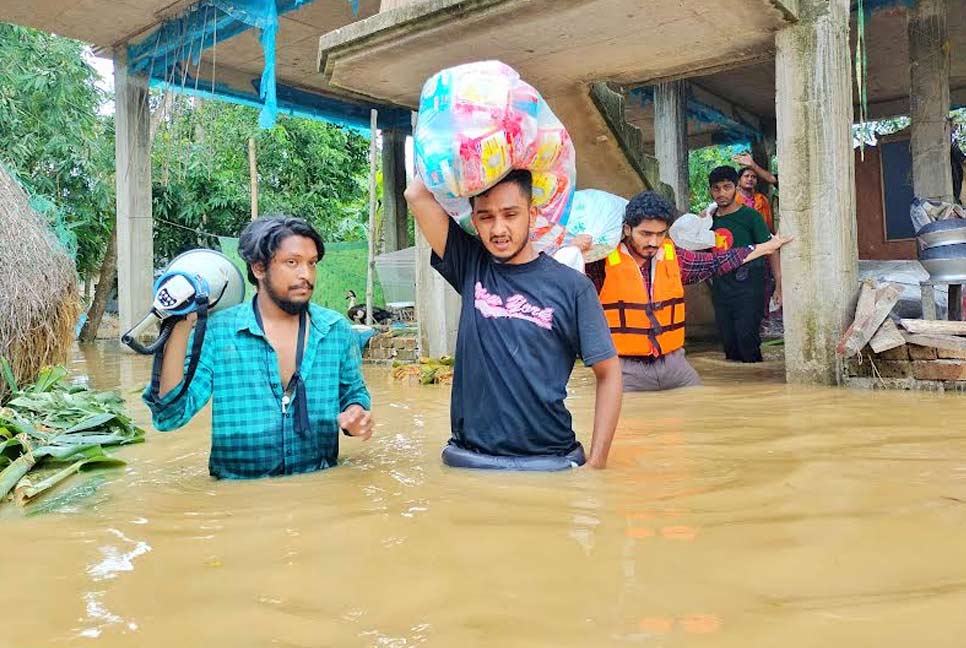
(936,327)
(866,324)
(887,337)
(866,301)
(944,342)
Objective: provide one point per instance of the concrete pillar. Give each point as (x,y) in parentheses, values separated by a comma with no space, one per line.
(395,218)
(437,306)
(671,138)
(135,236)
(929,99)
(814,109)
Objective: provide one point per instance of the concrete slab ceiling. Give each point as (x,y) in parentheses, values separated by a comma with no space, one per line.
(554,44)
(559,46)
(108,23)
(753,87)
(233,63)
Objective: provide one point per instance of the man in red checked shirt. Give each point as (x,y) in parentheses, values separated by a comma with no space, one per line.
(641,287)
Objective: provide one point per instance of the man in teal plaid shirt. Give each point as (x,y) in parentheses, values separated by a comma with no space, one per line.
(275,411)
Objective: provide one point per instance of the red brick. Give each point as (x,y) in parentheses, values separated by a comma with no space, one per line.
(855,367)
(939,370)
(893,368)
(898,353)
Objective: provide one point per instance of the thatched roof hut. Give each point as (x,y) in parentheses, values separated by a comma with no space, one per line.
(39,302)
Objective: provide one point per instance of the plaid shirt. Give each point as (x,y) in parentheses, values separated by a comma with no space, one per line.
(238,370)
(695,266)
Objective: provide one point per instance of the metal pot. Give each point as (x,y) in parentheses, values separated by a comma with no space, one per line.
(939,233)
(945,263)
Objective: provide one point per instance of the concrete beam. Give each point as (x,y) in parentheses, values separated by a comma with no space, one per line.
(741,116)
(395,216)
(135,228)
(671,138)
(814,110)
(929,99)
(705,107)
(629,138)
(899,106)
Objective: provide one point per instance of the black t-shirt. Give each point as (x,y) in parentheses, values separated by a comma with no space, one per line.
(521,329)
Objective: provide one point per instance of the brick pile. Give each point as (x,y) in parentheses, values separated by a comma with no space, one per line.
(387,347)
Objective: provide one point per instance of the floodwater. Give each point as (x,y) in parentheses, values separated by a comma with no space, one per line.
(742,513)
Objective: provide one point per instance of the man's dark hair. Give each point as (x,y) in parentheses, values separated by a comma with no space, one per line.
(520,177)
(648,205)
(261,238)
(722,173)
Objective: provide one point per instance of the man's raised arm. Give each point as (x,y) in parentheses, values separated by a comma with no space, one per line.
(430,216)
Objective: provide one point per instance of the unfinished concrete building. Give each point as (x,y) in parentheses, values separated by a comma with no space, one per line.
(638,84)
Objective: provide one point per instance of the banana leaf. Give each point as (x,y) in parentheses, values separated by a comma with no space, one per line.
(14,472)
(32,486)
(48,378)
(8,376)
(52,429)
(92,422)
(9,443)
(62,452)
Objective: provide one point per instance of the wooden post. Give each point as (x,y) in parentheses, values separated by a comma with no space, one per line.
(373,166)
(253,176)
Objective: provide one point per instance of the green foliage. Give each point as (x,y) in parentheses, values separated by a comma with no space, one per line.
(958,118)
(867,132)
(343,268)
(53,140)
(700,164)
(52,429)
(62,151)
(201,175)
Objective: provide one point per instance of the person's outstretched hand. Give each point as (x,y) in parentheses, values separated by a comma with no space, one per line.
(357,422)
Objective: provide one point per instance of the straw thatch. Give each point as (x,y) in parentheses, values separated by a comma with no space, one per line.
(39,302)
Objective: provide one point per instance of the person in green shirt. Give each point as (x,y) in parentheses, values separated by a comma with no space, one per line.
(738,296)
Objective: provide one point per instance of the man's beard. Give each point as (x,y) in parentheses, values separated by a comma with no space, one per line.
(510,257)
(287,305)
(642,251)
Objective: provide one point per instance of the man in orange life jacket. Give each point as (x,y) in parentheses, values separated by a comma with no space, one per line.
(641,287)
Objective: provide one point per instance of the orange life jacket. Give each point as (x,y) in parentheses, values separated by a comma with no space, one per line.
(642,324)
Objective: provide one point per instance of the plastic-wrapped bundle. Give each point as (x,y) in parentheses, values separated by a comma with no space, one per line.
(479,121)
(600,215)
(693,232)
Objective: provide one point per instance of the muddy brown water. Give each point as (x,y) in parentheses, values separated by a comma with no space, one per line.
(742,513)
